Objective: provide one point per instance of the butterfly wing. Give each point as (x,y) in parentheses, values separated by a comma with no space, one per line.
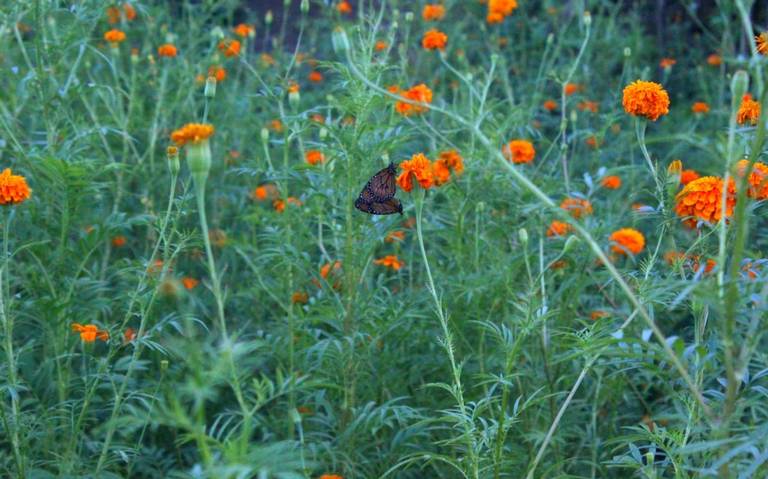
(382,184)
(378,195)
(388,207)
(363,205)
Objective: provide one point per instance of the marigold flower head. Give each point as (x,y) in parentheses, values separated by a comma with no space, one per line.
(390,261)
(598,314)
(90,332)
(550,105)
(571,88)
(612,182)
(646,99)
(264,192)
(558,228)
(313,157)
(129,335)
(299,297)
(167,50)
(667,62)
(276,125)
(267,60)
(500,9)
(393,236)
(230,48)
(194,133)
(344,7)
(419,93)
(293,87)
(217,72)
(244,30)
(454,161)
(749,111)
(432,12)
(700,107)
(762,43)
(434,40)
(380,45)
(13,188)
(113,15)
(758,179)
(130,12)
(315,76)
(701,199)
(418,167)
(686,176)
(189,282)
(330,476)
(114,36)
(592,142)
(440,172)
(627,240)
(577,207)
(519,151)
(119,241)
(587,105)
(714,60)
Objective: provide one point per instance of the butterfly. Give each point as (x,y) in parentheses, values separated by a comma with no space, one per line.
(378,195)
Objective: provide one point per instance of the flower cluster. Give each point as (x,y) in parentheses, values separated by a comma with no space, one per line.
(419,93)
(498,10)
(749,111)
(90,332)
(428,173)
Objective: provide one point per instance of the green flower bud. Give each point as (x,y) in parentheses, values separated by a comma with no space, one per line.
(210,87)
(522,233)
(739,86)
(340,41)
(172,153)
(305,6)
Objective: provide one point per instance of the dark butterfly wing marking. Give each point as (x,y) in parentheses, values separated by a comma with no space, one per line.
(378,195)
(387,207)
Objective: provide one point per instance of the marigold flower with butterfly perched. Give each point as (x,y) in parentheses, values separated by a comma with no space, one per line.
(519,151)
(13,188)
(168,50)
(700,108)
(244,30)
(432,12)
(758,179)
(577,207)
(500,9)
(90,332)
(418,167)
(114,37)
(627,240)
(313,157)
(419,93)
(558,228)
(434,40)
(701,199)
(646,99)
(230,48)
(390,261)
(189,282)
(749,111)
(762,43)
(612,182)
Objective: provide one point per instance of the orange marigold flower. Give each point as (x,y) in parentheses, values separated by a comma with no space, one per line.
(700,107)
(701,199)
(394,236)
(612,182)
(293,87)
(119,241)
(390,261)
(278,205)
(192,133)
(217,72)
(114,36)
(314,157)
(440,172)
(762,43)
(686,176)
(189,282)
(266,59)
(344,7)
(244,30)
(432,12)
(418,167)
(419,93)
(380,45)
(499,9)
(571,88)
(714,60)
(90,332)
(294,201)
(749,111)
(434,40)
(113,15)
(667,62)
(325,270)
(167,50)
(592,142)
(558,228)
(129,335)
(519,151)
(299,297)
(230,48)
(13,188)
(577,207)
(454,161)
(758,179)
(330,476)
(130,12)
(646,99)
(627,240)
(587,105)
(264,192)
(276,125)
(597,314)
(315,76)
(550,105)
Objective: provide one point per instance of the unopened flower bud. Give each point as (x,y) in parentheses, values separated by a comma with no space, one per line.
(264,135)
(210,87)
(340,41)
(587,19)
(304,6)
(627,52)
(294,96)
(323,133)
(550,39)
(739,86)
(408,17)
(172,153)
(522,233)
(268,17)
(164,365)
(570,242)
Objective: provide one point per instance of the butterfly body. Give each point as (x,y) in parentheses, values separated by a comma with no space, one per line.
(378,195)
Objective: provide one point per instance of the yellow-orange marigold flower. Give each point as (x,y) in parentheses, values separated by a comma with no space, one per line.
(714,60)
(762,43)
(394,236)
(499,9)
(230,48)
(244,30)
(192,133)
(90,332)
(299,297)
(130,12)
(646,99)
(380,45)
(432,12)
(577,207)
(519,151)
(114,36)
(420,93)
(598,314)
(390,261)
(167,50)
(454,161)
(13,188)
(758,179)
(440,172)
(330,476)
(558,228)
(314,157)
(627,240)
(434,40)
(129,335)
(612,182)
(418,167)
(749,111)
(701,199)
(113,15)
(700,107)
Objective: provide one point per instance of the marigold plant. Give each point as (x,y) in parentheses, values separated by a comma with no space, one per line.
(646,99)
